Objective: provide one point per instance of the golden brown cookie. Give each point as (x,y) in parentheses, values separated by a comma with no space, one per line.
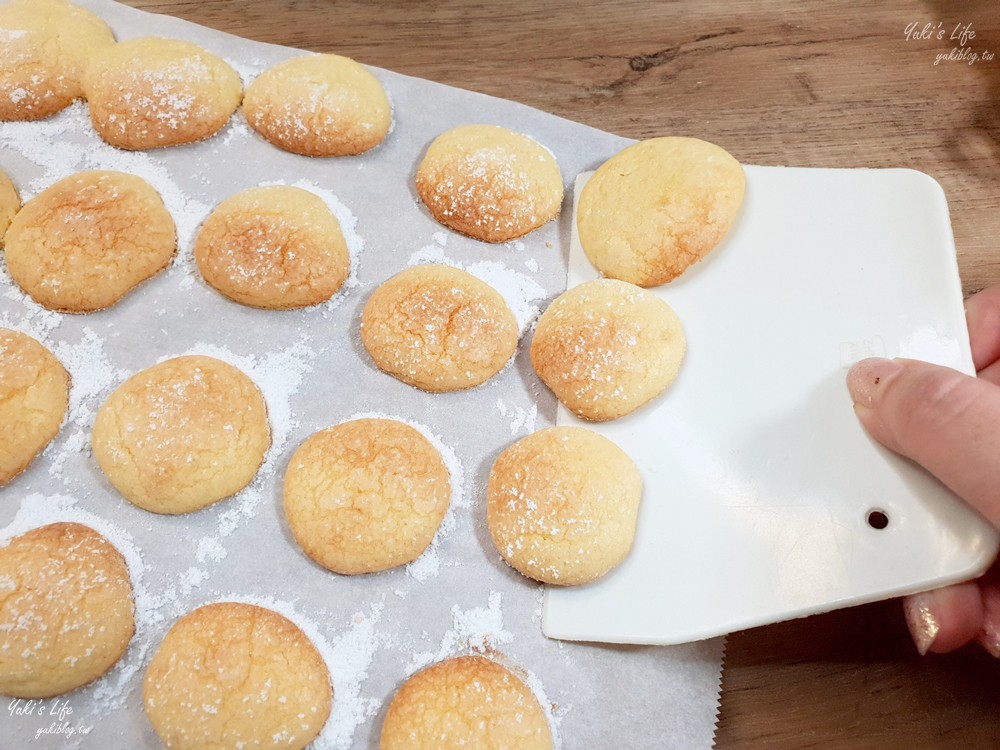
(562,505)
(655,208)
(606,347)
(66,612)
(463,703)
(182,434)
(10,204)
(34,398)
(87,241)
(489,183)
(275,247)
(233,675)
(319,105)
(45,46)
(366,495)
(438,328)
(151,92)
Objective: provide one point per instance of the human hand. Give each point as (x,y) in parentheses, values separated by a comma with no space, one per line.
(950,424)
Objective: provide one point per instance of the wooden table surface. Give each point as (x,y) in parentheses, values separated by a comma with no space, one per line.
(826,84)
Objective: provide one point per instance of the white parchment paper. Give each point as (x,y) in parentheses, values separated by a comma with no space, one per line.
(373,630)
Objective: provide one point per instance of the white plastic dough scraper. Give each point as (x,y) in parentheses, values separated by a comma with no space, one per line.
(764,499)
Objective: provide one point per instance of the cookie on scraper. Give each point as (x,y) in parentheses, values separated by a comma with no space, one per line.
(607,347)
(319,105)
(232,675)
(466,702)
(10,204)
(182,434)
(34,398)
(489,183)
(657,207)
(275,247)
(562,505)
(87,241)
(366,495)
(45,46)
(151,93)
(438,328)
(66,612)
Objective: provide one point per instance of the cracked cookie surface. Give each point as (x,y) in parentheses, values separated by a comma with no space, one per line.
(562,505)
(232,675)
(438,328)
(275,247)
(366,495)
(489,183)
(66,610)
(182,434)
(34,399)
(657,207)
(88,240)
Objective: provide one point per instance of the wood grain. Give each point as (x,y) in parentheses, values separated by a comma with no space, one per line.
(807,84)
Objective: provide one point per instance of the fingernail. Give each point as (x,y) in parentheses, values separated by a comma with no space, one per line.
(921,621)
(989,639)
(867,376)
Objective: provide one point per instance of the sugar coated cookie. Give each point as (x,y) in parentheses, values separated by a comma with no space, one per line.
(87,241)
(366,495)
(489,183)
(45,46)
(182,434)
(607,347)
(562,505)
(275,247)
(150,92)
(319,105)
(462,703)
(657,207)
(438,328)
(66,611)
(10,204)
(233,675)
(34,397)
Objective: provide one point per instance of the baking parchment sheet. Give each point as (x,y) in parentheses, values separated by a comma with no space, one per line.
(373,630)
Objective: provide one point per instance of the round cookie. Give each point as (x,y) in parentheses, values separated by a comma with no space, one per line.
(234,675)
(87,241)
(150,93)
(275,247)
(319,105)
(366,495)
(438,328)
(657,207)
(489,183)
(34,398)
(45,46)
(606,347)
(562,505)
(182,434)
(467,702)
(10,204)
(66,610)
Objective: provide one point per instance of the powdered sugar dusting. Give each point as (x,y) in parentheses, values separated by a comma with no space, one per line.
(477,629)
(92,375)
(519,290)
(428,564)
(347,657)
(348,228)
(38,510)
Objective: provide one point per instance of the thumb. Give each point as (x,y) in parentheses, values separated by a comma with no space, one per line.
(946,421)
